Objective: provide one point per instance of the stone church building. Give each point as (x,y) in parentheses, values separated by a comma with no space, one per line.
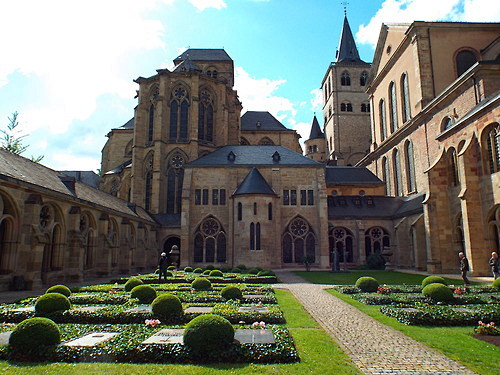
(406,163)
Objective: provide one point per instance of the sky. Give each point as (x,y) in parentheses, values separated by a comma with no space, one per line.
(67,66)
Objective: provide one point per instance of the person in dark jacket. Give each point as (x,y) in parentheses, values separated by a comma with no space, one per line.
(494,264)
(464,267)
(162,267)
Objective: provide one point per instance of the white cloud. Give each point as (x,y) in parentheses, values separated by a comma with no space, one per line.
(401,11)
(317,100)
(204,4)
(68,162)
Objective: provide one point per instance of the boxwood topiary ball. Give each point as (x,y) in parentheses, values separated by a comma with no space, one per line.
(144,293)
(63,289)
(241,266)
(367,284)
(496,284)
(253,271)
(33,333)
(266,273)
(231,292)
(236,270)
(167,307)
(208,332)
(171,268)
(201,283)
(198,270)
(51,302)
(432,280)
(210,267)
(216,273)
(188,269)
(438,292)
(132,283)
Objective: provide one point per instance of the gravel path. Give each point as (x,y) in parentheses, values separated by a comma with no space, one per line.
(374,347)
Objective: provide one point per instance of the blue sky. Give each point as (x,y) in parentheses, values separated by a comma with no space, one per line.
(68,66)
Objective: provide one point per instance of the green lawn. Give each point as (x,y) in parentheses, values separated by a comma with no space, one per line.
(383,277)
(455,342)
(319,354)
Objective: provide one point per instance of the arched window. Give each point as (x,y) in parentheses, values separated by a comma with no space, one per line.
(7,234)
(206,117)
(446,123)
(254,236)
(341,240)
(329,85)
(343,107)
(151,124)
(148,182)
(266,141)
(175,179)
(405,98)
(240,211)
(363,78)
(270,211)
(494,230)
(376,239)
(179,113)
(349,107)
(464,60)
(410,167)
(493,148)
(298,240)
(244,142)
(382,118)
(345,79)
(209,242)
(365,107)
(455,177)
(398,186)
(393,112)
(459,234)
(87,230)
(385,175)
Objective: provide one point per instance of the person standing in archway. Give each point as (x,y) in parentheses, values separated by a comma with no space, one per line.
(494,264)
(162,267)
(464,267)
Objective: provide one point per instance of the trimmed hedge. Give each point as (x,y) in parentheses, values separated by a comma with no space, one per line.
(496,283)
(132,283)
(438,292)
(231,292)
(167,307)
(367,284)
(253,271)
(63,289)
(51,302)
(433,280)
(208,332)
(33,333)
(266,273)
(171,268)
(198,270)
(201,283)
(216,273)
(188,269)
(144,293)
(236,270)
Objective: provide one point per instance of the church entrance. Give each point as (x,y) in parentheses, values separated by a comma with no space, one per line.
(167,246)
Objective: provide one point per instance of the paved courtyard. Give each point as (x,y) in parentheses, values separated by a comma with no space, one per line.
(374,347)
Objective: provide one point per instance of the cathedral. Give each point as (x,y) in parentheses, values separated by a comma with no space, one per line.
(406,164)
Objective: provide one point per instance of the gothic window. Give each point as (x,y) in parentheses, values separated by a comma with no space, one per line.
(493,148)
(494,230)
(87,229)
(244,142)
(382,118)
(345,79)
(46,217)
(393,112)
(151,123)
(206,117)
(266,142)
(464,60)
(376,239)
(405,98)
(459,234)
(410,167)
(398,186)
(341,241)
(148,177)
(446,123)
(175,179)
(385,175)
(209,242)
(298,240)
(363,78)
(212,73)
(455,177)
(179,113)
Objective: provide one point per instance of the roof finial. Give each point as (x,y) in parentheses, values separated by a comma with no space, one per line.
(345,4)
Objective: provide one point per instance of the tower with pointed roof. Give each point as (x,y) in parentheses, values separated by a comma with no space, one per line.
(346,106)
(315,145)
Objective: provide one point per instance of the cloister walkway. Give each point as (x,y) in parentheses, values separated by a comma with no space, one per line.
(374,347)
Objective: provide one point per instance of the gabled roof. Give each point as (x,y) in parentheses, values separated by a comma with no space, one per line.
(254,156)
(87,177)
(254,183)
(315,130)
(186,66)
(256,120)
(350,175)
(203,54)
(347,51)
(130,124)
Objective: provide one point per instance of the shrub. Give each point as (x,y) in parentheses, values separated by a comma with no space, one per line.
(438,292)
(63,289)
(206,272)
(171,268)
(198,270)
(201,283)
(367,284)
(51,302)
(132,283)
(167,307)
(236,270)
(496,284)
(241,267)
(231,292)
(259,268)
(216,273)
(35,332)
(266,273)
(208,332)
(432,280)
(169,274)
(253,271)
(210,267)
(375,262)
(144,293)
(188,269)
(225,269)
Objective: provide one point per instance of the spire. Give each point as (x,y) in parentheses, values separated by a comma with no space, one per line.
(254,183)
(347,50)
(315,130)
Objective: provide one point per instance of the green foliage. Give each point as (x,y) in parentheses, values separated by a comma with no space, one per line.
(33,333)
(210,267)
(438,292)
(188,269)
(253,271)
(375,261)
(266,273)
(63,289)
(51,302)
(432,280)
(231,292)
(496,283)
(208,332)
(216,273)
(367,284)
(167,307)
(144,293)
(236,270)
(201,283)
(132,283)
(13,139)
(171,268)
(241,267)
(198,270)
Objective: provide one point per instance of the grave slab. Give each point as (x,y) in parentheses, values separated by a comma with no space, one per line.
(166,336)
(259,309)
(463,309)
(90,308)
(141,309)
(27,308)
(254,336)
(4,337)
(92,339)
(199,309)
(255,296)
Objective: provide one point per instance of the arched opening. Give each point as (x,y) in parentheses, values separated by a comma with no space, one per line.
(297,241)
(167,247)
(210,242)
(464,60)
(376,239)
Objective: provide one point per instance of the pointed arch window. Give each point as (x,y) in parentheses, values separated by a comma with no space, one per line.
(393,112)
(385,175)
(175,179)
(179,113)
(382,118)
(405,98)
(455,177)
(493,148)
(345,79)
(376,239)
(341,241)
(148,177)
(363,78)
(410,167)
(398,186)
(298,240)
(206,117)
(151,123)
(464,60)
(210,242)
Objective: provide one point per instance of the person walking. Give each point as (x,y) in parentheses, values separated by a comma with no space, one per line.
(464,267)
(162,267)
(494,264)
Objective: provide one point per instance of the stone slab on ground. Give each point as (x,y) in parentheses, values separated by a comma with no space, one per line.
(22,309)
(254,336)
(92,339)
(254,296)
(140,309)
(4,338)
(199,309)
(259,309)
(89,308)
(166,336)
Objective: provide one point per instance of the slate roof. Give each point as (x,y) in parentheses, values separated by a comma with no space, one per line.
(168,220)
(121,167)
(253,156)
(130,124)
(256,120)
(17,168)
(357,207)
(347,50)
(186,66)
(315,130)
(350,175)
(254,183)
(203,54)
(87,177)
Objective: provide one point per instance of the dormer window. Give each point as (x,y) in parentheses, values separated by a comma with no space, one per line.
(231,156)
(276,157)
(258,124)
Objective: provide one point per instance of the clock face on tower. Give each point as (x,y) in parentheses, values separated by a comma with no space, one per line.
(177,161)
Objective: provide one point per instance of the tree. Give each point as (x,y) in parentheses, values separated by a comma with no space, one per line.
(13,139)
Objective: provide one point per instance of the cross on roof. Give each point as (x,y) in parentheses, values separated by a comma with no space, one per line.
(345,4)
